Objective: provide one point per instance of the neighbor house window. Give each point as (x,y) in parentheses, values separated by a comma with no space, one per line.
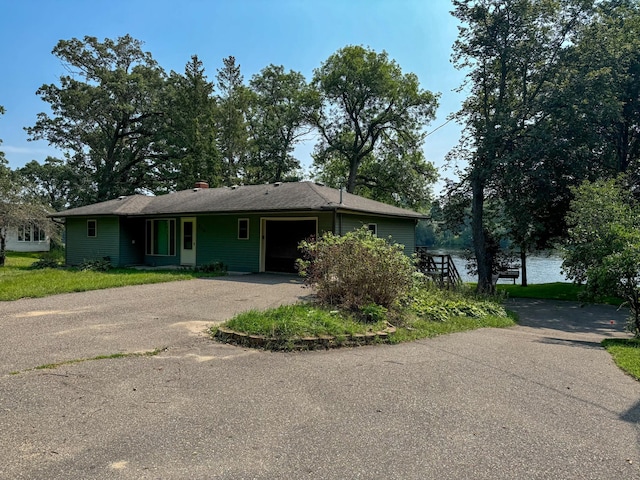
(161,237)
(243,229)
(92,228)
(373,228)
(31,233)
(38,234)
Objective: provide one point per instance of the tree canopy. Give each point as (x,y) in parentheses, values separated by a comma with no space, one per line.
(603,246)
(519,137)
(370,119)
(105,115)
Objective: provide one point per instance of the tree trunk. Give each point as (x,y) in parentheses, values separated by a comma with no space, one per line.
(3,253)
(484,257)
(523,265)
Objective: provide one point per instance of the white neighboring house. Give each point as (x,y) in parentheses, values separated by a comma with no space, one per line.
(27,238)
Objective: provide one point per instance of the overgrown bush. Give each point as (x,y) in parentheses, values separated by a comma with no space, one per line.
(102,265)
(51,259)
(45,262)
(357,272)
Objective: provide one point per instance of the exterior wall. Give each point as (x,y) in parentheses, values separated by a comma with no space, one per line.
(217,239)
(80,247)
(123,240)
(401,230)
(15,246)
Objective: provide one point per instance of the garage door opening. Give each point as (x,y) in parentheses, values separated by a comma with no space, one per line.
(281,239)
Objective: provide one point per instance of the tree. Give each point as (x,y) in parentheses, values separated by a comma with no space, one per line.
(606,82)
(106,115)
(2,159)
(16,208)
(603,248)
(511,49)
(192,153)
(231,123)
(369,114)
(279,107)
(52,183)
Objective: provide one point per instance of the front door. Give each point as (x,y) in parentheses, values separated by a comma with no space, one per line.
(188,244)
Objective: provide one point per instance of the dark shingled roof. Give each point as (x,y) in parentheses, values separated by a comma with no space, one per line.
(294,196)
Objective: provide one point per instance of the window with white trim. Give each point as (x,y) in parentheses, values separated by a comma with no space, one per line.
(373,228)
(31,233)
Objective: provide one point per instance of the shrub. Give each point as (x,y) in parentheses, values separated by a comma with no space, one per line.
(357,271)
(51,259)
(213,267)
(102,265)
(45,262)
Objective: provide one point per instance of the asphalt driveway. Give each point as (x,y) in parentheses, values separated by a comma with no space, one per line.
(538,401)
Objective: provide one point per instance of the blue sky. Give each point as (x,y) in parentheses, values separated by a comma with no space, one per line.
(298,34)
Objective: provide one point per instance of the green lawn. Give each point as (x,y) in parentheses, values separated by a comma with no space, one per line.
(17,280)
(626,354)
(431,312)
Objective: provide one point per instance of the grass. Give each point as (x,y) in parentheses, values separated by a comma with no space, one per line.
(625,353)
(431,312)
(17,280)
(51,366)
(302,320)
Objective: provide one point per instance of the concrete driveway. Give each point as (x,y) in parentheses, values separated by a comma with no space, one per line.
(538,401)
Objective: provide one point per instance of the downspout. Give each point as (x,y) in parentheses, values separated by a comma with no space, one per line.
(341,203)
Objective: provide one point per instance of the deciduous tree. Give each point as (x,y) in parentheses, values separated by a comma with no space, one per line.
(105,115)
(603,248)
(369,113)
(279,108)
(511,50)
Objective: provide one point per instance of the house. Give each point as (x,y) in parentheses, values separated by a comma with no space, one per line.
(27,238)
(252,228)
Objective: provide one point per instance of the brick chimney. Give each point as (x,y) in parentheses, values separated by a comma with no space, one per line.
(201,185)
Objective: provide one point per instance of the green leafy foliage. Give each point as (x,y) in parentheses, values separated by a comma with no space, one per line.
(279,107)
(431,303)
(356,270)
(213,267)
(370,118)
(106,114)
(603,248)
(102,265)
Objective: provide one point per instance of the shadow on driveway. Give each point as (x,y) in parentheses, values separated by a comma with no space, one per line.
(572,318)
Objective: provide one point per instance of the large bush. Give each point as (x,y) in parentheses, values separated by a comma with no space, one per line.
(357,271)
(603,248)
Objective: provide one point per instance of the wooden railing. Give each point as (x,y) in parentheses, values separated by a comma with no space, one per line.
(440,268)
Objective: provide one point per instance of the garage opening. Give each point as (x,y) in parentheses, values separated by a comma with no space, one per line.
(281,239)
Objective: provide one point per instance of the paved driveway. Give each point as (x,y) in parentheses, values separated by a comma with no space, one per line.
(537,401)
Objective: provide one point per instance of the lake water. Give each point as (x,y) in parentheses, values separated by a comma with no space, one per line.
(540,269)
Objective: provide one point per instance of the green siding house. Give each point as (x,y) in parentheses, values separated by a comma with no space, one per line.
(252,228)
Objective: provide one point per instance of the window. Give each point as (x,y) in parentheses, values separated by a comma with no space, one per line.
(92,228)
(38,234)
(373,228)
(161,237)
(243,229)
(31,233)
